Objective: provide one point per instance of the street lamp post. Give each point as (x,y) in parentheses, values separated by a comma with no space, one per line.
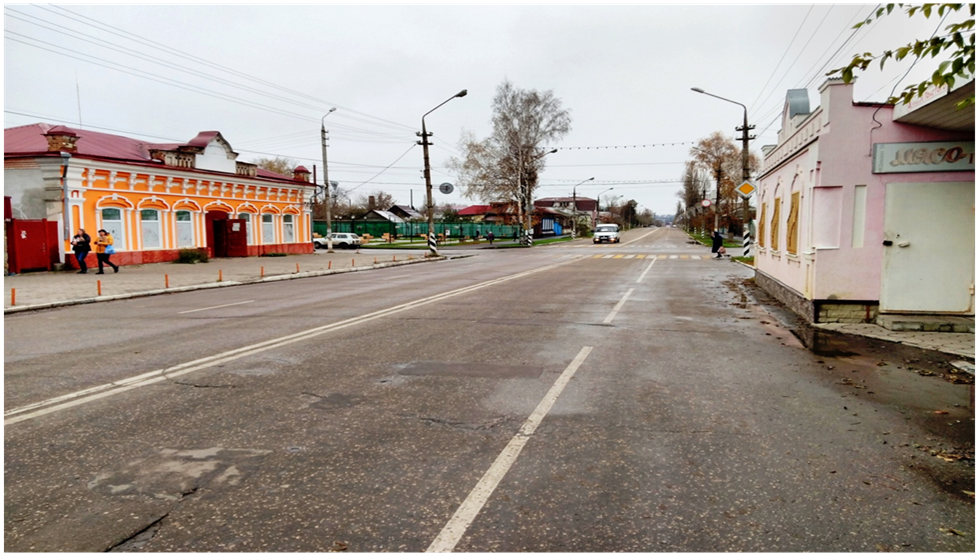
(432,249)
(574,197)
(326,184)
(528,202)
(598,208)
(745,171)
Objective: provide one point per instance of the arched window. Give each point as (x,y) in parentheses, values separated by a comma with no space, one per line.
(112,223)
(268,229)
(185,229)
(149,223)
(288,231)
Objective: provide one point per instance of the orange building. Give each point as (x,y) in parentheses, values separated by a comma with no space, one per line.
(155,199)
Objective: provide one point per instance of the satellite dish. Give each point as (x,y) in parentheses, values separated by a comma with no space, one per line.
(446,188)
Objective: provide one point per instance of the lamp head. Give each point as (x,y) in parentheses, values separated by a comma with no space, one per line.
(697,89)
(462,93)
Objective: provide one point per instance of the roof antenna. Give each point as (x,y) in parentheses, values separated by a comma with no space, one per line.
(78,95)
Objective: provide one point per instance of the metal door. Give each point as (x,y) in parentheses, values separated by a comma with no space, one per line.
(929,248)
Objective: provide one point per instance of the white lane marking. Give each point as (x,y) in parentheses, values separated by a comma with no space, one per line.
(638,238)
(398,276)
(457,526)
(66,401)
(608,319)
(215,307)
(643,275)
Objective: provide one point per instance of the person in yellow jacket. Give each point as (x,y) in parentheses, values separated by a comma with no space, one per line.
(104,250)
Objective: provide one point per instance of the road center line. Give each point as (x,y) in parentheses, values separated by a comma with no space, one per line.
(457,526)
(608,319)
(643,275)
(638,238)
(72,399)
(215,307)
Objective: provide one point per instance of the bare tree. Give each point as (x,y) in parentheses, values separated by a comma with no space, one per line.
(524,122)
(279,165)
(382,201)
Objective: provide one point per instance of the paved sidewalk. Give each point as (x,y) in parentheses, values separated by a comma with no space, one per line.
(37,290)
(954,343)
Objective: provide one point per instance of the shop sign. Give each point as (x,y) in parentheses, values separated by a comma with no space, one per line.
(950,156)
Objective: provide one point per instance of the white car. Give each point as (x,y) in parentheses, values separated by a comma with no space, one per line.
(606,232)
(340,241)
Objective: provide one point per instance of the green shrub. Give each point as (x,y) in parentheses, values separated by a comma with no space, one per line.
(274,255)
(191,256)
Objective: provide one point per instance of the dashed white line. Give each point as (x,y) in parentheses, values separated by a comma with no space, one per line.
(608,319)
(215,307)
(457,526)
(643,275)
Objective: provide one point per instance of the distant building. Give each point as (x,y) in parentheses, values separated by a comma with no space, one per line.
(154,198)
(867,210)
(406,213)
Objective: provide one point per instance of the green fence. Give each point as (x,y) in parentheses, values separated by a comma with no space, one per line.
(416,229)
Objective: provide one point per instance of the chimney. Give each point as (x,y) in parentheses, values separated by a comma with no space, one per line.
(300,174)
(370,203)
(61,139)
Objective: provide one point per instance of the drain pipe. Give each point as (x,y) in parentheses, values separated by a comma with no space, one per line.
(65,158)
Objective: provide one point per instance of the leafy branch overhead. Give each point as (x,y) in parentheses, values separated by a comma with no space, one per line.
(959,39)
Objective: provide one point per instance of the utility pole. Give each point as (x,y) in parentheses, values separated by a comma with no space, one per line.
(746,231)
(717,201)
(432,245)
(326,185)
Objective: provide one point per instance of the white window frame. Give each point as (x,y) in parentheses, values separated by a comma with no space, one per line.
(268,229)
(115,227)
(249,228)
(288,229)
(147,228)
(185,229)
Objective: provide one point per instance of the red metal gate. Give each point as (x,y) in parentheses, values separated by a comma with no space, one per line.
(32,245)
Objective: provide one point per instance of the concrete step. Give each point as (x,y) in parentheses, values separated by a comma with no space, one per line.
(927,323)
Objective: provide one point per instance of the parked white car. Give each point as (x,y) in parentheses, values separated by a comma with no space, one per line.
(341,240)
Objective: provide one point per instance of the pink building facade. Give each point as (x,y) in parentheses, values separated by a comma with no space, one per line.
(868,209)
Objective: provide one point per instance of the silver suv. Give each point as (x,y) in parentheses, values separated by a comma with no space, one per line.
(340,241)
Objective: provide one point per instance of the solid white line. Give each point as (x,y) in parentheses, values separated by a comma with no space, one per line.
(66,401)
(457,526)
(398,276)
(608,319)
(643,275)
(215,307)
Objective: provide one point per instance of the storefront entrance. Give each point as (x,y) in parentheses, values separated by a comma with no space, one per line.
(226,237)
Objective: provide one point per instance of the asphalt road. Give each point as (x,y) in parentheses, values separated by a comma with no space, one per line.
(548,400)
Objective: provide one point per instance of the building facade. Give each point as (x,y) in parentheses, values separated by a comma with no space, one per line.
(155,199)
(868,209)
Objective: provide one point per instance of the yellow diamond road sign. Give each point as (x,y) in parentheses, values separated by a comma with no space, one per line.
(746,188)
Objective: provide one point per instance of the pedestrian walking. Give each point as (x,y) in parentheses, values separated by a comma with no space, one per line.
(717,244)
(490,237)
(81,244)
(104,249)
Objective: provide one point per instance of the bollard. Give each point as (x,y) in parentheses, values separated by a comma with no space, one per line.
(375,260)
(13,296)
(263,272)
(220,276)
(297,268)
(329,265)
(99,282)
(394,258)
(166,280)
(353,262)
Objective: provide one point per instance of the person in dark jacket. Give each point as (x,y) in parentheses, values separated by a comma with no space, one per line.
(717,242)
(81,244)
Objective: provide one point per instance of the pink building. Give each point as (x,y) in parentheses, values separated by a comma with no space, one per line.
(867,210)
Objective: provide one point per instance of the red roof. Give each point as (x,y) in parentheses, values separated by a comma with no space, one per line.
(29,140)
(474,210)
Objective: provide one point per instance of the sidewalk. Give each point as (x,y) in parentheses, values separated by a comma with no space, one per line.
(42,290)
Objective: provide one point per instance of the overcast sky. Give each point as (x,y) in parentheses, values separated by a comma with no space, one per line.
(264,76)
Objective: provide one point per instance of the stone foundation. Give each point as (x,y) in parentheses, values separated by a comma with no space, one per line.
(818,311)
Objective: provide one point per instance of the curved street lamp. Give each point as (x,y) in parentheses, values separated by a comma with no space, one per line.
(432,250)
(574,197)
(745,171)
(598,208)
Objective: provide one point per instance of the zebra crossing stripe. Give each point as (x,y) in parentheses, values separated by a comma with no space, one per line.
(630,256)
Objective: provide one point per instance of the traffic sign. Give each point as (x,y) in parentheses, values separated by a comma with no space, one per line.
(746,188)
(705,203)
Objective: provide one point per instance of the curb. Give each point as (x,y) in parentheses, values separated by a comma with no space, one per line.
(211,285)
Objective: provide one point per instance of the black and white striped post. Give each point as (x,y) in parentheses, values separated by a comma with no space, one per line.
(746,241)
(433,245)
